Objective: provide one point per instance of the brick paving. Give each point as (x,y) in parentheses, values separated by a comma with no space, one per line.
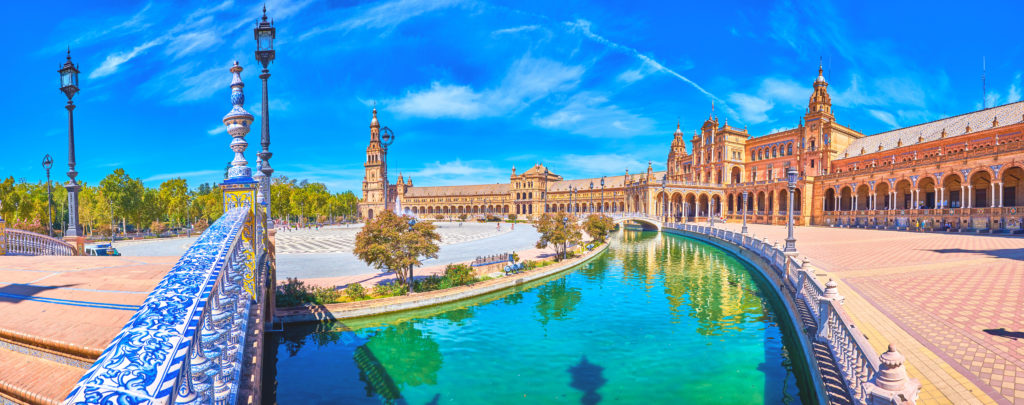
(73,306)
(341,239)
(958,296)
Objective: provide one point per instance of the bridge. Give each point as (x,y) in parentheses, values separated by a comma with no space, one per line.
(189,330)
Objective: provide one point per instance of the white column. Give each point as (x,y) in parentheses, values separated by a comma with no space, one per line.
(1000,194)
(941,198)
(993,204)
(963,196)
(970,202)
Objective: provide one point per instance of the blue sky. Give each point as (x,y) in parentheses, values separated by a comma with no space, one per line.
(472,88)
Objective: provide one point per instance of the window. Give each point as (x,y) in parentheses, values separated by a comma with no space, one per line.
(812,163)
(789,151)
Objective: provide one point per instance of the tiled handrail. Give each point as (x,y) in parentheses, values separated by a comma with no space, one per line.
(21,242)
(186,343)
(857,361)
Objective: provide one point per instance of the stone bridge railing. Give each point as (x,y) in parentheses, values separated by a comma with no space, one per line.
(869,378)
(17,242)
(197,338)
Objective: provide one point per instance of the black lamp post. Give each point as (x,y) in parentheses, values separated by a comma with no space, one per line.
(69,86)
(590,210)
(565,241)
(264,33)
(387,137)
(602,195)
(47,164)
(745,208)
(790,240)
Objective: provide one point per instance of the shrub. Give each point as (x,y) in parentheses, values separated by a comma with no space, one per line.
(294,292)
(388,290)
(462,217)
(459,274)
(355,291)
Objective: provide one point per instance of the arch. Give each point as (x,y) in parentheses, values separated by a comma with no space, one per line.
(980,188)
(736,175)
(789,149)
(797,201)
(902,189)
(863,191)
(716,205)
(730,205)
(369,214)
(703,205)
(1012,182)
(882,190)
(783,201)
(952,190)
(927,192)
(760,203)
(830,199)
(845,198)
(690,205)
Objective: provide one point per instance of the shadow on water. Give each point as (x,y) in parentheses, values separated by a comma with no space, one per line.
(586,377)
(556,300)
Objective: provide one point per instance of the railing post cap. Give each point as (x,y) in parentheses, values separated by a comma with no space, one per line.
(891,381)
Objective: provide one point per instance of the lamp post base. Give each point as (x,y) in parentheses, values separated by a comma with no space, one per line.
(790,247)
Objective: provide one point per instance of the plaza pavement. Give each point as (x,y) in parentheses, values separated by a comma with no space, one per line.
(327,252)
(59,313)
(952,303)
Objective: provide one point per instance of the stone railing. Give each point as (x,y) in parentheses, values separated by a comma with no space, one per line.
(193,339)
(19,242)
(869,379)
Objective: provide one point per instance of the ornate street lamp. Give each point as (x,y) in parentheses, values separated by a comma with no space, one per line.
(745,208)
(590,211)
(790,240)
(47,164)
(412,222)
(69,85)
(264,33)
(387,137)
(602,195)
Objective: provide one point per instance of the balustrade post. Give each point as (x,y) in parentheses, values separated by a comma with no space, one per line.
(829,297)
(891,386)
(3,234)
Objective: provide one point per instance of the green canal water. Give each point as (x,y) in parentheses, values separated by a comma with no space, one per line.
(656,319)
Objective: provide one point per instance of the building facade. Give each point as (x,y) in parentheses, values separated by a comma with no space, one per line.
(958,173)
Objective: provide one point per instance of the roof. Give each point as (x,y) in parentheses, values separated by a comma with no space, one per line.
(954,126)
(455,191)
(609,182)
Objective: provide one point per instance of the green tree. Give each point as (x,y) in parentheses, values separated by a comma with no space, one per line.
(175,197)
(123,194)
(598,226)
(559,230)
(388,244)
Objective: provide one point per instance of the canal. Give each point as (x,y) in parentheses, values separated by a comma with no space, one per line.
(656,319)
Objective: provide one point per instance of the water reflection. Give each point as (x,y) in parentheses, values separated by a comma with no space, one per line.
(653,320)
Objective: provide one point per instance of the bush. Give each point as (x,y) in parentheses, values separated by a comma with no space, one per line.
(294,293)
(388,290)
(355,291)
(459,274)
(462,217)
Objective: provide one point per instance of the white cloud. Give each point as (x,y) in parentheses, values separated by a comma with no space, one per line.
(528,80)
(115,60)
(385,16)
(604,164)
(591,114)
(1013,94)
(515,30)
(458,172)
(583,26)
(753,110)
(885,117)
(217,130)
(191,42)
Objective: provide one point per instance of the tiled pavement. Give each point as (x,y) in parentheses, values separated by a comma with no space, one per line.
(74,305)
(952,302)
(341,239)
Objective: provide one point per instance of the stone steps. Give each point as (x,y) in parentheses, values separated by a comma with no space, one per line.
(30,379)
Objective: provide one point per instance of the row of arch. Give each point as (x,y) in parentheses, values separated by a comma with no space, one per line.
(765,202)
(986,187)
(473,209)
(677,206)
(775,151)
(606,207)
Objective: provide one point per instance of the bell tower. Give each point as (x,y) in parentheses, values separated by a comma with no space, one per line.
(820,102)
(373,179)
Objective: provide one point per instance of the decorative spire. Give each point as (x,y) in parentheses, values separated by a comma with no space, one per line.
(264,11)
(373,121)
(238,121)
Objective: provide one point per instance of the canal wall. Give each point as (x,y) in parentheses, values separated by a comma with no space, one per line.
(328,312)
(791,310)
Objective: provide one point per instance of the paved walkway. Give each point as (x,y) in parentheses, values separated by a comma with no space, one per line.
(59,313)
(953,303)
